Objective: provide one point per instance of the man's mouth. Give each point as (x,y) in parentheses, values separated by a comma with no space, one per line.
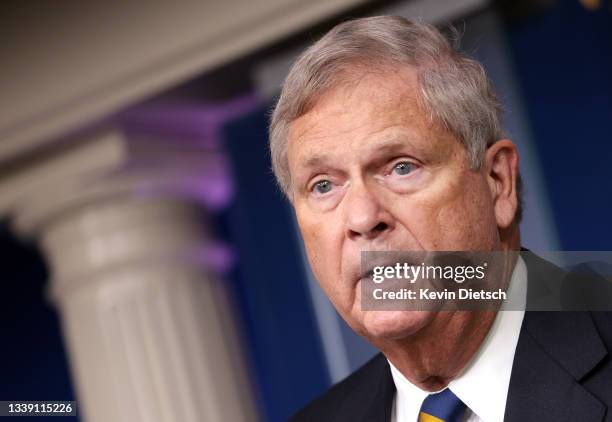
(367,273)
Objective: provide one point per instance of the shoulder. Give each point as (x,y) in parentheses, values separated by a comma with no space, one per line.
(354,396)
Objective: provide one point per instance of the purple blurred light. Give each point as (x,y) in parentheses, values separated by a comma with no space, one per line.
(194,129)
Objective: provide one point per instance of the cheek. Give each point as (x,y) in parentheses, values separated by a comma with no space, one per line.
(468,220)
(322,251)
(455,216)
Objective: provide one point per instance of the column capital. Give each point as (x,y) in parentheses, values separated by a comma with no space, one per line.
(171,151)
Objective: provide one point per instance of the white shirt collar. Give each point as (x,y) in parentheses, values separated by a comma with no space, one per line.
(483,384)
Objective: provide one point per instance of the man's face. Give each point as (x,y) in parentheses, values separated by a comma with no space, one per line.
(370,171)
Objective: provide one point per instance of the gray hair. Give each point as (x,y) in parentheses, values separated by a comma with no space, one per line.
(454,89)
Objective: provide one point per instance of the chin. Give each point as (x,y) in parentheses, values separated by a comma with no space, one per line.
(393,325)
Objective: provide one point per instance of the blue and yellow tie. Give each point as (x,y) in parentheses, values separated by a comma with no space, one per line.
(442,407)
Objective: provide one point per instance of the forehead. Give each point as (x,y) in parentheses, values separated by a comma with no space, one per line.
(372,91)
(360,109)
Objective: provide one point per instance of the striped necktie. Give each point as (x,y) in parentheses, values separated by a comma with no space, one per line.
(442,407)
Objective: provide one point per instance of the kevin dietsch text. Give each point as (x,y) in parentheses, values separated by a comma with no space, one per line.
(428,294)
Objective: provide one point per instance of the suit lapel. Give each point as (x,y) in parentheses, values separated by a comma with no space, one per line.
(370,398)
(554,352)
(381,406)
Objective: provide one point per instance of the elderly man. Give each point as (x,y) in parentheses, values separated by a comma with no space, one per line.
(387,139)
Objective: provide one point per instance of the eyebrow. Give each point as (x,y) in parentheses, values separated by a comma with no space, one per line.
(394,144)
(317,160)
(386,145)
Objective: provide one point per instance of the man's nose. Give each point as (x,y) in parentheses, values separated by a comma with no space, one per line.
(366,217)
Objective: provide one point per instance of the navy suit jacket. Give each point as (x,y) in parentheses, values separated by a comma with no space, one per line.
(562,371)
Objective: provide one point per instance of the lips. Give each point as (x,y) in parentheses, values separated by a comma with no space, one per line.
(368,273)
(383,259)
(359,274)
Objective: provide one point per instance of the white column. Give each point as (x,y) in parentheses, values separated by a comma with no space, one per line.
(148,325)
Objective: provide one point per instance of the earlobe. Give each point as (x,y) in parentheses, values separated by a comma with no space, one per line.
(502,167)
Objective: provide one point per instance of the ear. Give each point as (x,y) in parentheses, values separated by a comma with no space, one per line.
(501,166)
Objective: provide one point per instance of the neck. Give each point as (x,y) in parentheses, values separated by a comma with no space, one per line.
(437,354)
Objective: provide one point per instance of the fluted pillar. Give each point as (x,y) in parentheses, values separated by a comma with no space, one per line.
(147,321)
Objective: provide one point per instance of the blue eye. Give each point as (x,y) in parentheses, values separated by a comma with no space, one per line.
(403,168)
(322,186)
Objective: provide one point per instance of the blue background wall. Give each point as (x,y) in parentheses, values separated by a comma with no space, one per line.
(563,60)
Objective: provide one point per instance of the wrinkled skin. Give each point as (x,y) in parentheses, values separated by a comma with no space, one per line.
(370,170)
